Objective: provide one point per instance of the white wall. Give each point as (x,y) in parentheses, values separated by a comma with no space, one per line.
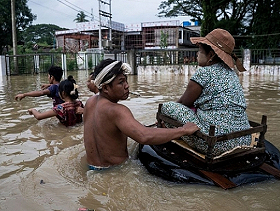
(190,70)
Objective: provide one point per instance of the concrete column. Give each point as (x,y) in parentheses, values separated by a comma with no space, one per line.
(247,59)
(63,61)
(2,66)
(86,61)
(132,61)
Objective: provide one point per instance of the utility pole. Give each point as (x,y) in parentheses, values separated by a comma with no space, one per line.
(107,17)
(100,35)
(110,22)
(14,34)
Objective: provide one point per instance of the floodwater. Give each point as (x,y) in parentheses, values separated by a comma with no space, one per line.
(43,164)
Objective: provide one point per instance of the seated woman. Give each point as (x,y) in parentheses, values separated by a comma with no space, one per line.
(65,112)
(214,95)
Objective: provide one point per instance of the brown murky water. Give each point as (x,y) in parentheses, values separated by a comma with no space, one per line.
(45,151)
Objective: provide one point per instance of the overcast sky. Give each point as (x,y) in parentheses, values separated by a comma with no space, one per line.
(123,11)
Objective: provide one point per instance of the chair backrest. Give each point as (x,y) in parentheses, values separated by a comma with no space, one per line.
(211,139)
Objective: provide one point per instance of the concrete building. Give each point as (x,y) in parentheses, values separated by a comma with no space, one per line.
(147,35)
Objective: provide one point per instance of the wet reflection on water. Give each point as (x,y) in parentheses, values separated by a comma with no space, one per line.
(32,151)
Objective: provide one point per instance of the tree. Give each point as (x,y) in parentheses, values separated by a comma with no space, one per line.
(81,17)
(257,19)
(265,27)
(163,39)
(24,18)
(210,13)
(41,34)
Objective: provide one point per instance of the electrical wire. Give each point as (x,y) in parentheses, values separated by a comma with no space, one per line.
(79,8)
(51,9)
(72,7)
(69,6)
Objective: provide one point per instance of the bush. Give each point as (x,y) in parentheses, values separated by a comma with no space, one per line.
(72,65)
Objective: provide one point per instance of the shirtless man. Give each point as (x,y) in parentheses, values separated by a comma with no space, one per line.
(108,124)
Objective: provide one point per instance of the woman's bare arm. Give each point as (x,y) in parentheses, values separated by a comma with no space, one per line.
(190,95)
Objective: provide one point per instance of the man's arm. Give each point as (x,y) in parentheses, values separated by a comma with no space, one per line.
(32,94)
(125,121)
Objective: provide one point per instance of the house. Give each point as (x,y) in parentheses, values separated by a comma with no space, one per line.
(158,35)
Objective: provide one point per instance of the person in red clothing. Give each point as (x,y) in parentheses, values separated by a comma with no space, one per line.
(65,112)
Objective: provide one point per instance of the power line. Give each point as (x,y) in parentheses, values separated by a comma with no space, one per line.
(51,9)
(79,8)
(73,5)
(68,6)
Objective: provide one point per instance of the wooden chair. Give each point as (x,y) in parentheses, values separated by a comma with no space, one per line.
(256,147)
(209,165)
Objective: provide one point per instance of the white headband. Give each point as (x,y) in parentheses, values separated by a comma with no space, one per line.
(126,67)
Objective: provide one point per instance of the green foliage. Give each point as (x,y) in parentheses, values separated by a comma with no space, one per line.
(163,39)
(258,19)
(81,17)
(208,12)
(42,34)
(90,63)
(72,64)
(265,27)
(59,50)
(24,18)
(22,49)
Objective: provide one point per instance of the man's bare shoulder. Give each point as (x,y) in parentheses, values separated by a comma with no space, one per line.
(113,108)
(103,103)
(92,99)
(119,108)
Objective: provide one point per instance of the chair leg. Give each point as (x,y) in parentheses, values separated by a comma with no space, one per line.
(219,179)
(270,170)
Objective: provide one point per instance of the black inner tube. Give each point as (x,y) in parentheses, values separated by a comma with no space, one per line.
(169,162)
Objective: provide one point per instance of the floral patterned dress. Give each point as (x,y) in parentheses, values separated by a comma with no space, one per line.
(221,103)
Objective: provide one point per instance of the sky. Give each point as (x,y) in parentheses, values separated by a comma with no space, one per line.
(63,12)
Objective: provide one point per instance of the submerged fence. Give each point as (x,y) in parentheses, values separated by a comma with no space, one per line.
(188,56)
(265,56)
(37,63)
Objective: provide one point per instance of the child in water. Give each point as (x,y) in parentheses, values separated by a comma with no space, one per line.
(65,112)
(51,89)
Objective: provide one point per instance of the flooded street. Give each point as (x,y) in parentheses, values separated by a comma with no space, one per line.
(43,165)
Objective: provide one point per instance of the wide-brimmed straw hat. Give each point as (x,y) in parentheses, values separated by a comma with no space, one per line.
(222,42)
